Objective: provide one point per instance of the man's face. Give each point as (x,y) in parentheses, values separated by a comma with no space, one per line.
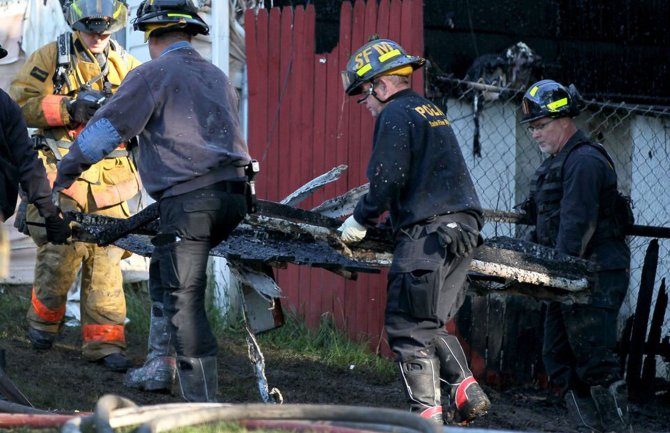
(370,102)
(96,43)
(548,133)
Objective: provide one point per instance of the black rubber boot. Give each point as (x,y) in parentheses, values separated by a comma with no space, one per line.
(583,412)
(158,372)
(116,362)
(41,340)
(198,378)
(421,378)
(463,398)
(612,405)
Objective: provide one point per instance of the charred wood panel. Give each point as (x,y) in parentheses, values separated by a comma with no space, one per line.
(639,330)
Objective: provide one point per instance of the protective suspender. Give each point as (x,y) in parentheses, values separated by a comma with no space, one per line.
(63,43)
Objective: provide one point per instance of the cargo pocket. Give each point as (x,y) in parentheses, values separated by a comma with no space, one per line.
(199,214)
(418,295)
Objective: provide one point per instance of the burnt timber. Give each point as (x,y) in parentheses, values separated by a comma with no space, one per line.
(279,234)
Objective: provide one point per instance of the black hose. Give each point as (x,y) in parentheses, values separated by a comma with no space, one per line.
(10,407)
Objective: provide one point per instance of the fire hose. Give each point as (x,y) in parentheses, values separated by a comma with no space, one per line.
(113,412)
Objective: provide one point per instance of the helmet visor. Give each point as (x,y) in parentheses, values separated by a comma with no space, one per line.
(97,16)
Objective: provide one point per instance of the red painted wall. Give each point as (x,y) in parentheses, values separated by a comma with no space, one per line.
(301,124)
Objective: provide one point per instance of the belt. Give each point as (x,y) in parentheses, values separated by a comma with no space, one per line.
(229,186)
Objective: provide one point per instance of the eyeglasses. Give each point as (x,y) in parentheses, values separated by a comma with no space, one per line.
(539,127)
(370,91)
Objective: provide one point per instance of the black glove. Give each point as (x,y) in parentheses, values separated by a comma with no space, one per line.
(20,218)
(460,239)
(85,106)
(58,230)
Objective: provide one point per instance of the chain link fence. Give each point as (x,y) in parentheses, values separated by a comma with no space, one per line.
(502,158)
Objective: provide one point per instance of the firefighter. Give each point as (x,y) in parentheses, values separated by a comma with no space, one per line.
(59,88)
(576,209)
(18,157)
(192,159)
(417,173)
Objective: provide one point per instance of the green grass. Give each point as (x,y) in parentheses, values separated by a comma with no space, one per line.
(326,344)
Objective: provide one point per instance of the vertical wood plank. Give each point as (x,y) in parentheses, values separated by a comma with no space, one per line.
(256,31)
(406,30)
(270,159)
(383,18)
(394,20)
(417,44)
(308,283)
(356,113)
(286,71)
(293,169)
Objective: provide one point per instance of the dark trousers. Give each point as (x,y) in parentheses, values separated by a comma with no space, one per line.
(579,349)
(425,288)
(190,225)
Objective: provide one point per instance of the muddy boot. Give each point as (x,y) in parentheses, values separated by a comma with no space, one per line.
(612,405)
(158,372)
(583,413)
(464,399)
(421,379)
(198,378)
(41,340)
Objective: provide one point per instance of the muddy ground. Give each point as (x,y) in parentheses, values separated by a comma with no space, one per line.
(61,380)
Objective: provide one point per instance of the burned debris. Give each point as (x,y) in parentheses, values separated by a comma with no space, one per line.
(279,234)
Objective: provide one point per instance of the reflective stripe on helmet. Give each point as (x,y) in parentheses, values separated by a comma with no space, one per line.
(363,70)
(553,106)
(389,55)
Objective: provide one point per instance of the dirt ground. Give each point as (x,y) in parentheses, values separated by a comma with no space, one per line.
(61,380)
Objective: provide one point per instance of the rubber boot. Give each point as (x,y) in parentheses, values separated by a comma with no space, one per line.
(612,405)
(158,372)
(421,378)
(464,399)
(198,378)
(583,412)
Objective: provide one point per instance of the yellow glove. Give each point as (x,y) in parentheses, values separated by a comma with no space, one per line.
(351,231)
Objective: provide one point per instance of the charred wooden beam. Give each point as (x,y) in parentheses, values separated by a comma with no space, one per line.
(278,234)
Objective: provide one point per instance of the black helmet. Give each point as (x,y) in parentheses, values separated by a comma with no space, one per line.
(96,16)
(162,13)
(547,98)
(377,57)
(3,52)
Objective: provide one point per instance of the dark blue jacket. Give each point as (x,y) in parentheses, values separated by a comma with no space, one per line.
(573,193)
(17,152)
(185,112)
(416,169)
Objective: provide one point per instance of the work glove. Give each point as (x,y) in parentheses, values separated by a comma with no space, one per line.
(58,230)
(84,107)
(20,218)
(352,231)
(55,196)
(460,239)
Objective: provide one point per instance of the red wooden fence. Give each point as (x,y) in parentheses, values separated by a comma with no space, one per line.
(302,124)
